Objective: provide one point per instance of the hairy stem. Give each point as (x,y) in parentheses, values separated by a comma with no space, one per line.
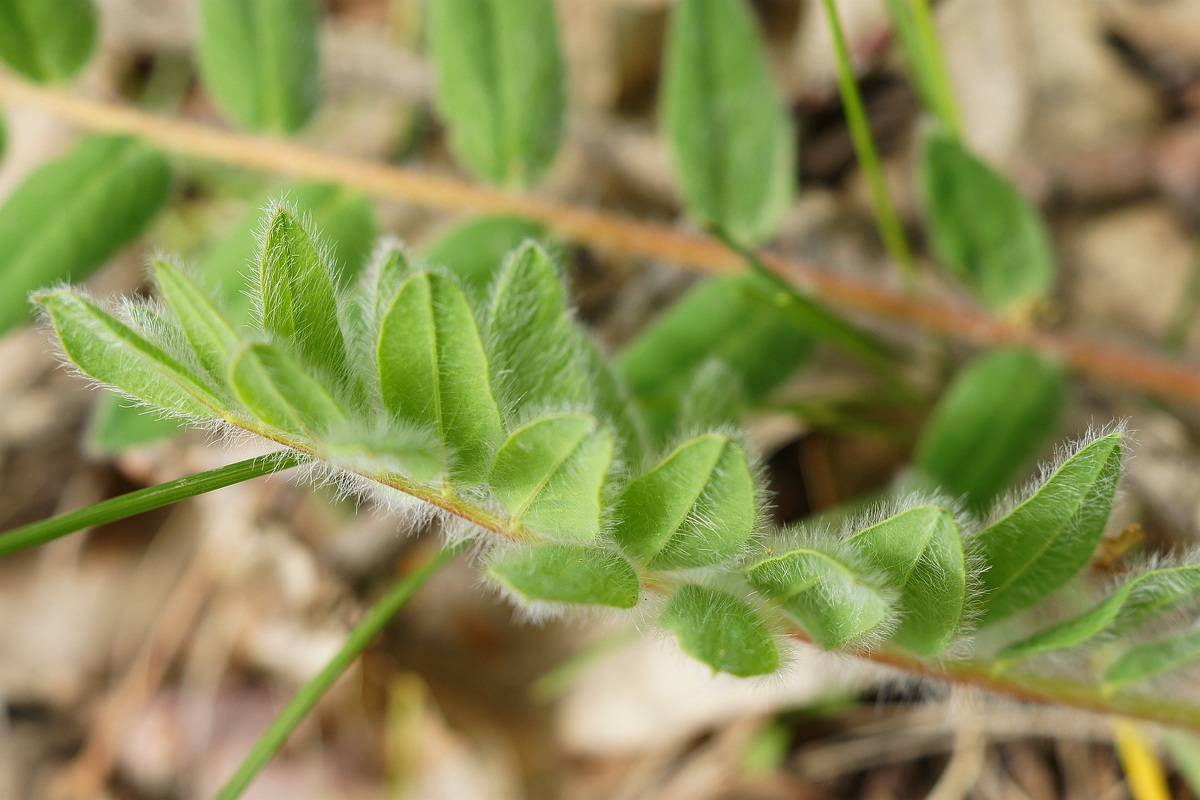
(152,497)
(1139,371)
(303,701)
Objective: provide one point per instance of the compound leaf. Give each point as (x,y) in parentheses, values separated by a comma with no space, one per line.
(714,400)
(111,352)
(1047,539)
(615,404)
(433,372)
(550,473)
(1137,601)
(499,85)
(117,426)
(1152,660)
(694,509)
(733,144)
(69,216)
(921,553)
(981,228)
(990,422)
(474,250)
(279,392)
(211,337)
(825,593)
(567,574)
(47,41)
(259,61)
(721,630)
(415,454)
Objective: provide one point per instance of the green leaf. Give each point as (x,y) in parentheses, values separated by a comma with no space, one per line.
(499,85)
(695,509)
(69,216)
(47,40)
(732,141)
(116,426)
(475,249)
(211,337)
(343,216)
(1047,539)
(1135,602)
(920,552)
(990,423)
(550,473)
(433,372)
(534,344)
(826,593)
(714,400)
(279,392)
(296,291)
(415,454)
(1152,660)
(111,352)
(615,404)
(981,228)
(259,61)
(567,574)
(721,630)
(715,319)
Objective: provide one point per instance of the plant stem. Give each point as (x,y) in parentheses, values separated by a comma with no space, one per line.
(886,218)
(152,497)
(303,701)
(936,72)
(1142,372)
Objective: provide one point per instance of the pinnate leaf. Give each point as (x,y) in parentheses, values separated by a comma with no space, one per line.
(280,393)
(1152,660)
(550,473)
(921,553)
(1047,539)
(259,61)
(721,630)
(409,452)
(210,335)
(433,372)
(733,144)
(499,85)
(47,40)
(474,250)
(71,215)
(694,509)
(568,574)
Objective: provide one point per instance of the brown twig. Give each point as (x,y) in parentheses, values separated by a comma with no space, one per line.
(1140,371)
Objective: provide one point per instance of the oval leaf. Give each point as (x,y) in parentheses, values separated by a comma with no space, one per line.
(990,422)
(475,250)
(733,144)
(433,372)
(47,41)
(1153,659)
(211,337)
(259,61)
(1046,540)
(721,630)
(566,574)
(499,85)
(280,393)
(920,551)
(550,473)
(69,216)
(694,509)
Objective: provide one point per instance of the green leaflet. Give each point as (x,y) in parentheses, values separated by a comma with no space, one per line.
(834,603)
(981,228)
(279,392)
(433,372)
(990,422)
(1152,660)
(615,404)
(47,40)
(211,337)
(721,630)
(117,426)
(1047,539)
(69,216)
(111,352)
(714,400)
(694,509)
(920,552)
(1135,602)
(550,474)
(344,218)
(412,453)
(715,319)
(296,291)
(259,61)
(732,141)
(533,343)
(499,85)
(474,250)
(567,574)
